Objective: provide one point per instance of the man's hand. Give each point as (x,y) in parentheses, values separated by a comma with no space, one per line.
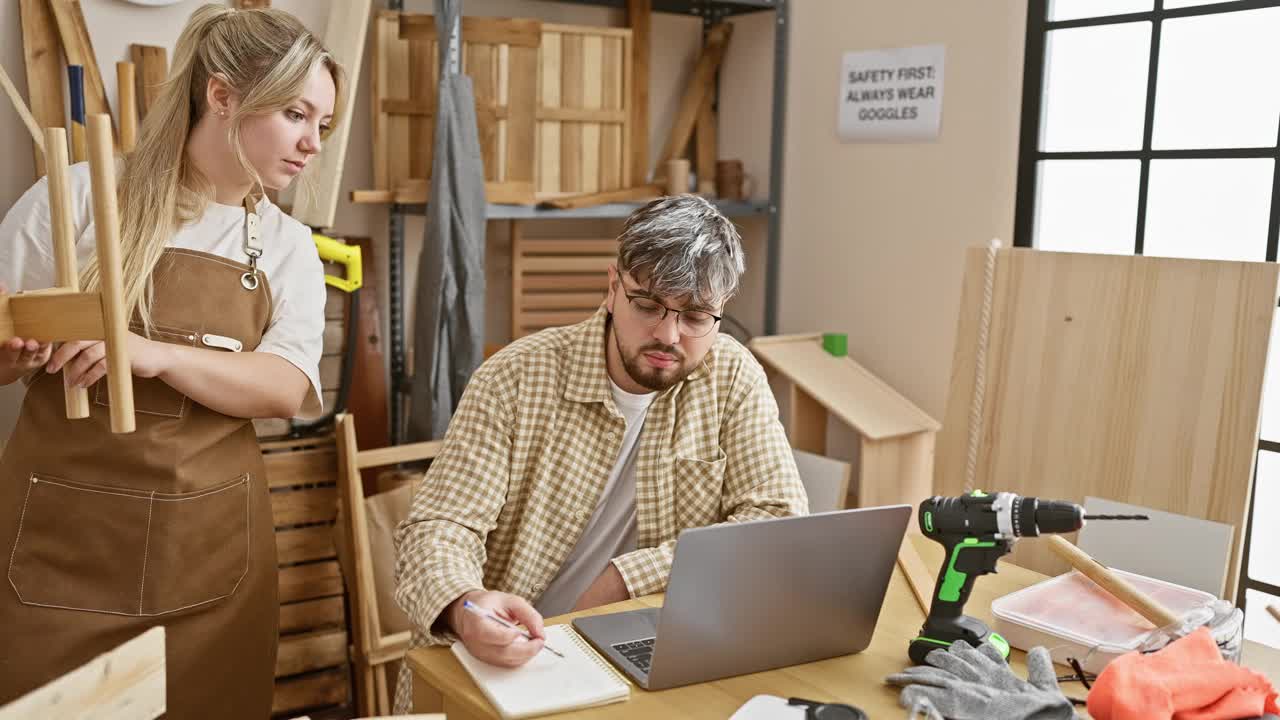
(85,361)
(609,587)
(489,641)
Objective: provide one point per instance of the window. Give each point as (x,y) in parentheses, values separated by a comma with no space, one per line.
(1152,127)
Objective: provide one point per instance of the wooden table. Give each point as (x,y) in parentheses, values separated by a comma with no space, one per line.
(440,682)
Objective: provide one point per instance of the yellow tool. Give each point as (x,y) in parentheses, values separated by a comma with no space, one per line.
(349,255)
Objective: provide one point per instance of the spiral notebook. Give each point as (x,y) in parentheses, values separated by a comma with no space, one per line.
(548,684)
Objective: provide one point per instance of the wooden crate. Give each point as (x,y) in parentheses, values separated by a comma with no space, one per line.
(552,107)
(500,56)
(583,116)
(312,666)
(556,282)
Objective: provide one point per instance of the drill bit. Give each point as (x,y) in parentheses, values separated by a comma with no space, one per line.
(1116,517)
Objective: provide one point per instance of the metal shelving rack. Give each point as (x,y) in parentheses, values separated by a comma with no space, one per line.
(711,12)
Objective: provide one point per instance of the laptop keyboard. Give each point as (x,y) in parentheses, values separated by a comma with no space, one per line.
(637,652)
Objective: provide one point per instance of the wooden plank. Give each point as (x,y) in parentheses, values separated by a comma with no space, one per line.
(548,246)
(24,113)
(548,131)
(572,92)
(126,93)
(612,79)
(297,545)
(386,30)
(582,115)
(846,389)
(308,691)
(562,301)
(152,62)
(555,318)
(311,651)
(335,337)
(567,281)
(700,84)
(521,129)
(707,148)
(51,317)
(309,505)
(808,431)
(309,614)
(1133,378)
(516,32)
(345,34)
(482,67)
(592,100)
(42,51)
(564,202)
(301,467)
(78,48)
(517,276)
(422,89)
(895,470)
(306,443)
(126,683)
(379,457)
(367,400)
(310,581)
(638,18)
(567,264)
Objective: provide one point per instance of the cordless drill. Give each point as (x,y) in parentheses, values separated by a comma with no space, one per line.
(976,530)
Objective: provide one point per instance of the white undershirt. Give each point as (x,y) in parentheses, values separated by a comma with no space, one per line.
(612,529)
(289,261)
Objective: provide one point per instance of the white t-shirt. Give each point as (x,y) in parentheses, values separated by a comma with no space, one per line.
(289,261)
(612,529)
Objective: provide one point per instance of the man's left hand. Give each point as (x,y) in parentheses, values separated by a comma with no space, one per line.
(607,588)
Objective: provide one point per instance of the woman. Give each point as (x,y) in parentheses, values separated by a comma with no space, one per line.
(107,535)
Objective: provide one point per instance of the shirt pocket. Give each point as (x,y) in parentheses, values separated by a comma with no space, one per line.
(699,488)
(129,552)
(154,396)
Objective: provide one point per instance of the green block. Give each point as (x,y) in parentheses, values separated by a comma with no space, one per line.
(836,343)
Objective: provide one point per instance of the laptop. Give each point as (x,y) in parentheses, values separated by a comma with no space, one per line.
(753,596)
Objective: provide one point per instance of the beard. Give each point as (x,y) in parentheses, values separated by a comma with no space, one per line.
(645,375)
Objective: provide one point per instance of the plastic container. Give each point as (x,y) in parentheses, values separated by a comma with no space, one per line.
(1073,617)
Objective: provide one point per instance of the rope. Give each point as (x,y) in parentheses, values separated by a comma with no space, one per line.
(980,367)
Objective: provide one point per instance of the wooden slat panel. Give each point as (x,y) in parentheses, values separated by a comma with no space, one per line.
(549,180)
(521,129)
(611,155)
(568,264)
(330,371)
(482,67)
(311,651)
(637,89)
(562,301)
(542,319)
(422,89)
(402,143)
(485,111)
(302,544)
(301,467)
(310,614)
(592,99)
(42,51)
(335,303)
(399,453)
(517,32)
(567,282)
(327,688)
(319,441)
(310,505)
(386,30)
(549,246)
(307,582)
(572,96)
(335,337)
(600,116)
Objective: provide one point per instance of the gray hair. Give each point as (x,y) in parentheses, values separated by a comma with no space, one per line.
(681,246)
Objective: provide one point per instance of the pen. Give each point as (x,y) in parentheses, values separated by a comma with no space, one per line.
(473,608)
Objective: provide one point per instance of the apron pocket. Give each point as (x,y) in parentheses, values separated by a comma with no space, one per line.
(153,396)
(130,552)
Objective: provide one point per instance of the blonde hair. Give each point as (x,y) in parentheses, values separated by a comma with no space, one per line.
(266,56)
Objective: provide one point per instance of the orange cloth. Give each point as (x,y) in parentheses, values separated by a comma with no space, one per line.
(1187,680)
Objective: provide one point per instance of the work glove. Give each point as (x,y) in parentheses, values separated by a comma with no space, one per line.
(1225,623)
(963,683)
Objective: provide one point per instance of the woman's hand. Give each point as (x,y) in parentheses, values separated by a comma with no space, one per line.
(85,361)
(22,356)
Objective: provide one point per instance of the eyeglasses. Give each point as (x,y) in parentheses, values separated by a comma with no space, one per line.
(690,323)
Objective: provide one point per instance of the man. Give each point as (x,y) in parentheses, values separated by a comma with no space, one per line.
(578,454)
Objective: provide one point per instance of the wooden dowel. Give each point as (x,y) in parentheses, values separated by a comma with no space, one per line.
(127,93)
(23,112)
(64,248)
(1122,589)
(106,215)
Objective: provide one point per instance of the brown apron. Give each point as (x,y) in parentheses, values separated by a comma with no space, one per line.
(105,535)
